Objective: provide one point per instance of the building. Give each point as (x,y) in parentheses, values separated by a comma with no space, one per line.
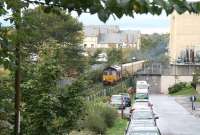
(184,46)
(110,36)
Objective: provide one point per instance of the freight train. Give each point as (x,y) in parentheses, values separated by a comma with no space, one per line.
(113,74)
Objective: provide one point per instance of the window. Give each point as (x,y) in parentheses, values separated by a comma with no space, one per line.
(105,73)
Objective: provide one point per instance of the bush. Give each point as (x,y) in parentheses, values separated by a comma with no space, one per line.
(99,117)
(177,87)
(95,123)
(109,116)
(82,133)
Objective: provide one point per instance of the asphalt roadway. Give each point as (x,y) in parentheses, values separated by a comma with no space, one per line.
(173,118)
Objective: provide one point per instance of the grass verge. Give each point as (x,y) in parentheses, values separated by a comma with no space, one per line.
(118,128)
(185,92)
(198,99)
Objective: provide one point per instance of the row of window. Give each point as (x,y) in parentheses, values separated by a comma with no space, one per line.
(92,45)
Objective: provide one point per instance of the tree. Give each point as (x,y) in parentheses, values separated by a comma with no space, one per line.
(94,56)
(114,56)
(51,109)
(35,32)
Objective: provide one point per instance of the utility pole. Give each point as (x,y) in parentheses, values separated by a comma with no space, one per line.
(175,70)
(122,108)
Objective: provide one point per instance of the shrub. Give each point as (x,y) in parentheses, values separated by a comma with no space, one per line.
(109,115)
(177,87)
(82,133)
(95,123)
(99,117)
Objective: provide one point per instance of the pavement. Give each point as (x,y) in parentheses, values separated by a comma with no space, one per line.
(174,119)
(186,103)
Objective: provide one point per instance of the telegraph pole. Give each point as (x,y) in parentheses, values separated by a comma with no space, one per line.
(122,108)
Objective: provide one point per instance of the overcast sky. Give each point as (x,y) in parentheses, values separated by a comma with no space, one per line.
(145,23)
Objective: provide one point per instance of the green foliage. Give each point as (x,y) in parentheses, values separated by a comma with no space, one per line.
(182,89)
(95,76)
(177,87)
(39,26)
(48,109)
(82,133)
(45,108)
(196,77)
(6,105)
(94,57)
(114,56)
(99,117)
(105,9)
(118,128)
(109,116)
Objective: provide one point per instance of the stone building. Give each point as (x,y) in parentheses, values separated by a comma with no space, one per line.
(110,36)
(184,45)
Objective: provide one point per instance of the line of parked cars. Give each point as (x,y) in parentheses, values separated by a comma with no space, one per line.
(142,119)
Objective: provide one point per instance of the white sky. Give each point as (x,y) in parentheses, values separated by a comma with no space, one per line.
(145,23)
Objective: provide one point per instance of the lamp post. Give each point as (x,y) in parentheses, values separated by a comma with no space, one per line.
(122,107)
(175,70)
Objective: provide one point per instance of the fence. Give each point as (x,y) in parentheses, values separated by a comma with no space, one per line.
(109,90)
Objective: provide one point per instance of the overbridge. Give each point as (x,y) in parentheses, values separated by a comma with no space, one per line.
(161,77)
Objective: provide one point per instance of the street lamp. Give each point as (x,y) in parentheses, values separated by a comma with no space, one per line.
(175,70)
(122,111)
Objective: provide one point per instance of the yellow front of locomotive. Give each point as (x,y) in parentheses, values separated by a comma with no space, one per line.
(109,77)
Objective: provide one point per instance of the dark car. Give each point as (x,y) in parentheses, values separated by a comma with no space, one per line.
(126,99)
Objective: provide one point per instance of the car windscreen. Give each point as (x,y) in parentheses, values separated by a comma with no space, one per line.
(142,115)
(141,96)
(116,98)
(142,86)
(144,133)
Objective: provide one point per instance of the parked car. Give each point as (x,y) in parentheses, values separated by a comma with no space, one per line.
(140,123)
(142,106)
(142,95)
(126,98)
(144,131)
(140,85)
(143,123)
(143,114)
(117,102)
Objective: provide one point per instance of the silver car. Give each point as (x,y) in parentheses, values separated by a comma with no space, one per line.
(143,123)
(117,102)
(144,131)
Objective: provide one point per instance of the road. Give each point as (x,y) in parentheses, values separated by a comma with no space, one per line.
(173,118)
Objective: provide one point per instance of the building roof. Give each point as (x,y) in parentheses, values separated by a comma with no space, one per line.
(110,38)
(128,37)
(108,34)
(94,30)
